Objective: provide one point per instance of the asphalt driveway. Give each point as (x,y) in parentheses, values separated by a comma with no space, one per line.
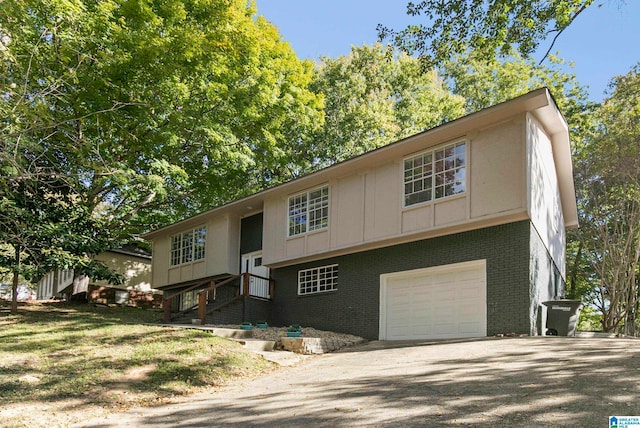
(486,383)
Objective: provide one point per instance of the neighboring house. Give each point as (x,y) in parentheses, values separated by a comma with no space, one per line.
(458,231)
(134,264)
(53,284)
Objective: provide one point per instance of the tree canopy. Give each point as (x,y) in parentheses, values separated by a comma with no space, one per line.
(487,28)
(122,115)
(484,84)
(374,96)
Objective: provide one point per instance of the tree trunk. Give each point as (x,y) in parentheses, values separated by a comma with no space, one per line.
(16,277)
(574,273)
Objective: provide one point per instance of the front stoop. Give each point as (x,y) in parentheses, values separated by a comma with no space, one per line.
(229,333)
(314,345)
(257,344)
(232,333)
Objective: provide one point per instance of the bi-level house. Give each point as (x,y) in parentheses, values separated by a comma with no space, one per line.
(458,231)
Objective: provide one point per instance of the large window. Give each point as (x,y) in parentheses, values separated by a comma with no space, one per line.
(188,246)
(309,211)
(435,174)
(318,280)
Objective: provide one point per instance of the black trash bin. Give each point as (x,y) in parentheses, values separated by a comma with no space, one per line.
(562,317)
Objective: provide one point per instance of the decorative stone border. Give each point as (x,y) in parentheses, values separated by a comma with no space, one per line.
(315,345)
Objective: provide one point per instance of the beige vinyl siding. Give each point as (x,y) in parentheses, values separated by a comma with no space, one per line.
(221,253)
(366,204)
(498,177)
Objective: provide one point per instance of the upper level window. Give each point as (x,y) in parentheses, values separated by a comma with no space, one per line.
(435,174)
(309,211)
(188,246)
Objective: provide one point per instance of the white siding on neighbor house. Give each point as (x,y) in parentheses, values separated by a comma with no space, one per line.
(65,278)
(53,283)
(544,203)
(45,286)
(366,204)
(222,249)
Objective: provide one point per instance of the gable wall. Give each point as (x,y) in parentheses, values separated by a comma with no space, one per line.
(544,203)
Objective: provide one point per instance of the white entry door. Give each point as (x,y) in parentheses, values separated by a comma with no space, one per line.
(252,263)
(435,303)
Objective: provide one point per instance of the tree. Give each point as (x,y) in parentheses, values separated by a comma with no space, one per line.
(374,96)
(488,28)
(608,169)
(132,114)
(42,230)
(484,84)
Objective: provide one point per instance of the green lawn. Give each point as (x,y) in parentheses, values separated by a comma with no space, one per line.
(105,358)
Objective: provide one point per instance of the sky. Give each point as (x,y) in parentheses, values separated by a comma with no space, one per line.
(603,42)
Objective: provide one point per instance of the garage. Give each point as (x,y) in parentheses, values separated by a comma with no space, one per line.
(434,303)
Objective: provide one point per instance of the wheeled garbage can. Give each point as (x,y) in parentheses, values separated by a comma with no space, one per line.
(562,317)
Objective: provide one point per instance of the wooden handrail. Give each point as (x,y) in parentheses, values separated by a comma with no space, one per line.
(169,299)
(215,285)
(186,290)
(204,293)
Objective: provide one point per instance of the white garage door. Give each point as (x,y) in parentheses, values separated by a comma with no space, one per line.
(434,303)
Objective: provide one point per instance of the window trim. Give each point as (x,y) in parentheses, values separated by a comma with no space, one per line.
(196,247)
(307,194)
(432,151)
(334,278)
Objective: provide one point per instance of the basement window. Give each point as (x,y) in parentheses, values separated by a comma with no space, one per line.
(318,280)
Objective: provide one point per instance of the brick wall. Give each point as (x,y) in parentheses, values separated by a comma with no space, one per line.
(231,314)
(354,307)
(258,310)
(252,311)
(140,299)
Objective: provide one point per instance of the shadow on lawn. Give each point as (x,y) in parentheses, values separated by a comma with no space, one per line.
(43,326)
(90,357)
(518,382)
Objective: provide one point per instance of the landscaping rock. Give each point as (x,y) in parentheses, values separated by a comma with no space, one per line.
(312,341)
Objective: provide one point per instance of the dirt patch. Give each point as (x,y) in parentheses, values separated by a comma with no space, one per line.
(138,374)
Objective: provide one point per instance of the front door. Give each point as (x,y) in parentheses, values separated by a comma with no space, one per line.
(258,284)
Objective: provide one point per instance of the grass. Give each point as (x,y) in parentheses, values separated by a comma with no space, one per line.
(101,359)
